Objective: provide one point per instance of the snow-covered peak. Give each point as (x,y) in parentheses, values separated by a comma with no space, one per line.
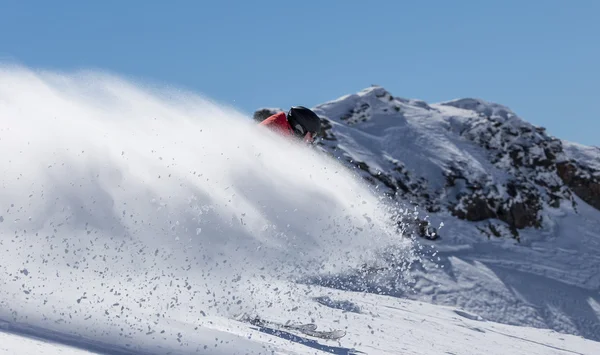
(476,159)
(492,110)
(370,104)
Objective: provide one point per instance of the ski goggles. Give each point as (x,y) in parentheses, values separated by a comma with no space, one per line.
(308,137)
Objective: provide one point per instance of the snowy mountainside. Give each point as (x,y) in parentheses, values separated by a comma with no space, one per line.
(476,159)
(145,221)
(513,212)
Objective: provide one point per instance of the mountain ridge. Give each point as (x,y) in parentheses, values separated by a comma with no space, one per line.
(477,159)
(511,211)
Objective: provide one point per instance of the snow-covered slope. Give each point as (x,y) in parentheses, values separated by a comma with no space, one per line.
(374,324)
(519,208)
(142,221)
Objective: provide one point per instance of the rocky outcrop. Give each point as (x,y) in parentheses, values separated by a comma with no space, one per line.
(581,181)
(518,148)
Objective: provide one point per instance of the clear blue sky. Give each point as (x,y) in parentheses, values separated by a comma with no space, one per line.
(540,58)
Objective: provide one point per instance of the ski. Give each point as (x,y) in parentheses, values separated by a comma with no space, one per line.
(324,334)
(300,327)
(304,328)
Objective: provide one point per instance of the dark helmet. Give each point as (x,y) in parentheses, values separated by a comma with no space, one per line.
(303,121)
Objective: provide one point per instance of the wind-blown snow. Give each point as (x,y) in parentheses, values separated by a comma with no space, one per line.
(126,211)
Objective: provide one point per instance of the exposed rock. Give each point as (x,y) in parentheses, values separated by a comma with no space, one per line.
(474,208)
(581,182)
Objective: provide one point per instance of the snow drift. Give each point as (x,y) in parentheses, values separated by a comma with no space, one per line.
(127,211)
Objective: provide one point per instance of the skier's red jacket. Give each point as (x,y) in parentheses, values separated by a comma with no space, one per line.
(278,122)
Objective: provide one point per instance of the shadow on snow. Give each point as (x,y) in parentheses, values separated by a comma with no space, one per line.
(307,342)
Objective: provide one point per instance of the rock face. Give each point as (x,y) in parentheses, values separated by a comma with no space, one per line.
(473,159)
(582,180)
(522,151)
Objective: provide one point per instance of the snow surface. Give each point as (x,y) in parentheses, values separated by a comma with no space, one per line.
(375,324)
(588,156)
(18,344)
(550,279)
(137,220)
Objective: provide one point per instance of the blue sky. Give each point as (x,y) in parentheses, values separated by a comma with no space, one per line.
(540,58)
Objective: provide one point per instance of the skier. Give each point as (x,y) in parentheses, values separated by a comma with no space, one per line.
(300,122)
